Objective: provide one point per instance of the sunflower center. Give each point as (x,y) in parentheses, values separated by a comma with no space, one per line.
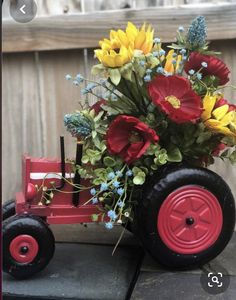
(117,50)
(175,102)
(135,137)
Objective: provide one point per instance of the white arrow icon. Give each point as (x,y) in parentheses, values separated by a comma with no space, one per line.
(22,9)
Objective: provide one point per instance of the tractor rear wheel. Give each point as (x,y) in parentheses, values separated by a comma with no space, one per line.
(8,209)
(186,217)
(28,245)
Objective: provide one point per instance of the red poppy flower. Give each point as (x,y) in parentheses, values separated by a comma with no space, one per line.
(97,106)
(215,66)
(174,95)
(129,138)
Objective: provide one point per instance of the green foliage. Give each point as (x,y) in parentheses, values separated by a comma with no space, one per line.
(139,176)
(91,156)
(174,155)
(98,69)
(115,75)
(94,217)
(232,157)
(109,161)
(126,71)
(161,157)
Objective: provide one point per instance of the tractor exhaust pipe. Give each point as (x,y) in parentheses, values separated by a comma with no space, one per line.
(63,166)
(79,150)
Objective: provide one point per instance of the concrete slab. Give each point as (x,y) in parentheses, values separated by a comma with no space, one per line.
(80,271)
(155,282)
(176,286)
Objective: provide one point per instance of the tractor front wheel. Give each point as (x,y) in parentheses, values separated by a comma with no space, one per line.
(28,245)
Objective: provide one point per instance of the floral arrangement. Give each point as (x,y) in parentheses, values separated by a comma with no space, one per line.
(157,107)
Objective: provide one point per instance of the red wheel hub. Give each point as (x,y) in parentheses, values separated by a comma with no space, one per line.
(190,220)
(24,248)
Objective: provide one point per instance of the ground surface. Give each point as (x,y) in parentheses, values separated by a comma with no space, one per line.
(85,269)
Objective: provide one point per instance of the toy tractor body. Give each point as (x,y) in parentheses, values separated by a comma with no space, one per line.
(67,206)
(185,216)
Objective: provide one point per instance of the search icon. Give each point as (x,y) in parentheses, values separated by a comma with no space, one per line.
(215,279)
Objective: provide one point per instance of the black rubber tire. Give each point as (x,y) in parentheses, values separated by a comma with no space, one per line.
(8,209)
(155,192)
(37,228)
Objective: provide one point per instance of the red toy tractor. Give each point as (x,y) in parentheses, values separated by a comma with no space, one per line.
(185,215)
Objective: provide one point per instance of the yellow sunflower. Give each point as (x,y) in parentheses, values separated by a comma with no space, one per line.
(119,49)
(218,115)
(114,58)
(140,39)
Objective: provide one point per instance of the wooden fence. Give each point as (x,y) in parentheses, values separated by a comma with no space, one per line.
(60,40)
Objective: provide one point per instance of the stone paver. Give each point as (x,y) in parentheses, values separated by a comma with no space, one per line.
(154,282)
(176,286)
(80,271)
(88,271)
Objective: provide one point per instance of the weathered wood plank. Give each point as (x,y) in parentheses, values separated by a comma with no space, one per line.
(96,5)
(152,3)
(21,117)
(58,97)
(84,30)
(36,97)
(45,7)
(228,55)
(228,49)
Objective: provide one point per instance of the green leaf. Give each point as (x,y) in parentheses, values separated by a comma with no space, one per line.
(103,146)
(138,69)
(153,61)
(100,171)
(98,117)
(97,181)
(85,159)
(144,169)
(174,155)
(109,161)
(96,141)
(94,134)
(139,179)
(204,136)
(175,46)
(94,217)
(161,159)
(229,140)
(136,170)
(82,173)
(225,153)
(97,69)
(126,71)
(232,157)
(101,131)
(154,167)
(115,76)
